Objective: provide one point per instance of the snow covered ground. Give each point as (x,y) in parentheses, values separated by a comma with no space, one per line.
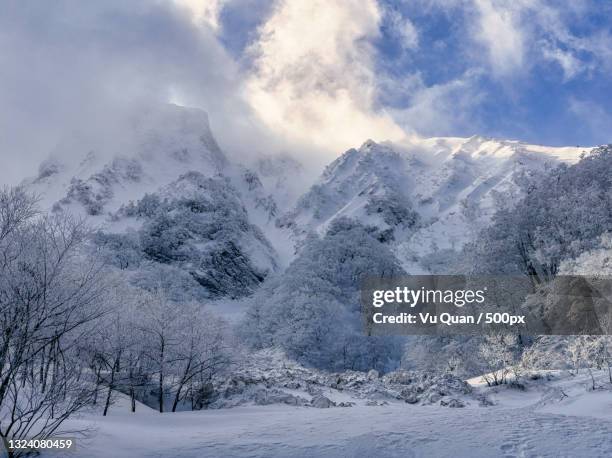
(556,417)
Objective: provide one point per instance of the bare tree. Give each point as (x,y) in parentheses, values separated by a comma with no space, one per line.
(49,290)
(160,319)
(202,350)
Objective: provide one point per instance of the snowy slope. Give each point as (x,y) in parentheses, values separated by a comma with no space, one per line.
(535,422)
(428,194)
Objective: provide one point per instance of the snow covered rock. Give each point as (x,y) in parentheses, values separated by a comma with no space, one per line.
(372,403)
(269,377)
(321,402)
(275,396)
(409,396)
(453,403)
(423,387)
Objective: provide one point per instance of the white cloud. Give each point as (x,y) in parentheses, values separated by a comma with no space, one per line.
(314,78)
(441,109)
(520,33)
(499,30)
(570,64)
(404,30)
(204,11)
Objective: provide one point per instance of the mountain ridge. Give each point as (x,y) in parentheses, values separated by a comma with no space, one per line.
(423,196)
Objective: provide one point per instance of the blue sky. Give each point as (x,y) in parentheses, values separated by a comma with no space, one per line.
(552,87)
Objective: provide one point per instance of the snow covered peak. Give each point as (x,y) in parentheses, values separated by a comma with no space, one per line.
(480,146)
(424,194)
(96,172)
(181,134)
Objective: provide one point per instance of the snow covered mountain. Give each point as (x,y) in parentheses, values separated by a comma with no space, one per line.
(160,190)
(426,196)
(97,173)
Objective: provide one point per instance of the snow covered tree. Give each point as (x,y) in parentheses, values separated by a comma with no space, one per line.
(196,233)
(313,310)
(604,354)
(182,346)
(499,355)
(113,345)
(202,352)
(560,216)
(160,327)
